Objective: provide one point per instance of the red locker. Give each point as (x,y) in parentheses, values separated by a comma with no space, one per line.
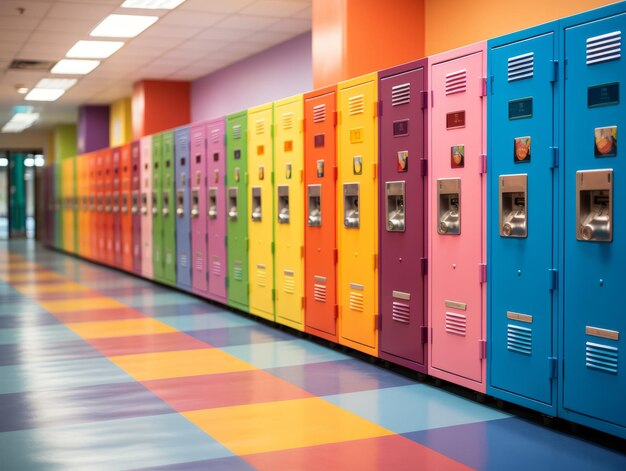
(125,205)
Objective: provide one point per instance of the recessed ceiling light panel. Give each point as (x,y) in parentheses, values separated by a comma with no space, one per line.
(74,66)
(93,49)
(152,4)
(44,94)
(57,83)
(123,26)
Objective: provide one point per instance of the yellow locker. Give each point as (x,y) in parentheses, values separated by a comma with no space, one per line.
(68,192)
(261,204)
(289,220)
(357,212)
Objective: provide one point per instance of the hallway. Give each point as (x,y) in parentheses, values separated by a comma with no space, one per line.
(102,370)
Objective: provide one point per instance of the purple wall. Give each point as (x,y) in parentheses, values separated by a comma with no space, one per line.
(93,128)
(279,72)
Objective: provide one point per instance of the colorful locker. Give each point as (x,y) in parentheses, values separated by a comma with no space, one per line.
(237,208)
(148,196)
(48,235)
(109,218)
(260,202)
(199,241)
(592,319)
(522,219)
(289,220)
(116,207)
(357,214)
(157,206)
(78,168)
(93,205)
(100,253)
(456,225)
(216,209)
(69,213)
(403,93)
(135,205)
(320,230)
(126,221)
(168,209)
(183,225)
(84,228)
(58,205)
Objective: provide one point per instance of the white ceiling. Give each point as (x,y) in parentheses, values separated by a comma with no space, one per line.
(195,39)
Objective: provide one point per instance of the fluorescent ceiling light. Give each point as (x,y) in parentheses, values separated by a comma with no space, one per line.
(93,49)
(152,4)
(74,66)
(29,162)
(44,94)
(22,90)
(123,26)
(4,162)
(39,160)
(57,83)
(20,121)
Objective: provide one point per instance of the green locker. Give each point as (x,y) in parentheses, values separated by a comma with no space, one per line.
(168,209)
(157,207)
(237,209)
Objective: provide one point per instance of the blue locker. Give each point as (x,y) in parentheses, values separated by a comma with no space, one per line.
(593,318)
(522,224)
(183,222)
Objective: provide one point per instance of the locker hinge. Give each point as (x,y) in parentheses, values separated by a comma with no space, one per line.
(483,86)
(554,367)
(335,173)
(554,278)
(482,349)
(555,157)
(374,169)
(375,261)
(247,244)
(225,241)
(273,294)
(302,302)
(380,108)
(432,98)
(335,256)
(424,167)
(245,176)
(482,272)
(336,118)
(424,99)
(554,71)
(226,281)
(303,125)
(490,85)
(206,275)
(424,264)
(225,179)
(206,238)
(377,320)
(302,251)
(424,331)
(483,163)
(336,311)
(273,248)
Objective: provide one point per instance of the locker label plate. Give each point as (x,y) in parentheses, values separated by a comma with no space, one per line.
(602,333)
(401,128)
(516,316)
(605,94)
(521,108)
(456,305)
(455,119)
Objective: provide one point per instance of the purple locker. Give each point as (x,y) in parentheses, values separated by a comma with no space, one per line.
(216,209)
(135,182)
(402,197)
(199,275)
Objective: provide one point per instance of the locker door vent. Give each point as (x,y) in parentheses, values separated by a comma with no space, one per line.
(519,339)
(199,265)
(217,268)
(289,285)
(401,312)
(261,276)
(184,260)
(603,48)
(215,136)
(260,126)
(602,357)
(237,131)
(319,113)
(456,323)
(356,301)
(521,67)
(287,120)
(401,94)
(356,104)
(237,273)
(319,292)
(456,82)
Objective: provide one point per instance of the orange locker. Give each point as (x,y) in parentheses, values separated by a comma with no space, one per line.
(125,213)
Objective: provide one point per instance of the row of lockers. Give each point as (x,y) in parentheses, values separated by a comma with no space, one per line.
(460,215)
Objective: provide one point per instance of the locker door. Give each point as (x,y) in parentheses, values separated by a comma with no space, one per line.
(237,208)
(157,206)
(357,215)
(108,206)
(100,225)
(168,209)
(198,209)
(93,206)
(522,217)
(183,225)
(457,222)
(135,208)
(320,232)
(595,229)
(116,200)
(402,217)
(125,208)
(146,207)
(216,209)
(261,204)
(289,220)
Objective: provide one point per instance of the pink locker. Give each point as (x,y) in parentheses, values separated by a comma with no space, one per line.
(146,206)
(457,216)
(199,276)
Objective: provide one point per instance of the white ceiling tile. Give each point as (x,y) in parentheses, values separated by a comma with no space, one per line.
(186,54)
(191,18)
(28,78)
(247,22)
(275,8)
(13,35)
(305,14)
(54,38)
(82,27)
(19,23)
(291,25)
(32,9)
(80,11)
(160,31)
(269,38)
(218,6)
(164,44)
(9,49)
(221,34)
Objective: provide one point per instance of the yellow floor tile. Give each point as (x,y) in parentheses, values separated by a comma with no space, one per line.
(121,328)
(80,304)
(272,426)
(163,365)
(37,288)
(18,265)
(30,276)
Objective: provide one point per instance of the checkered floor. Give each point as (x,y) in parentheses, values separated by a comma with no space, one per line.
(100,370)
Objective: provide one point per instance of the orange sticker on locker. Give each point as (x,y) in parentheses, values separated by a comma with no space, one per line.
(260,150)
(288,146)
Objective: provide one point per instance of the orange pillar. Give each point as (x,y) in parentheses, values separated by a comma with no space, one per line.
(354,37)
(158,105)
